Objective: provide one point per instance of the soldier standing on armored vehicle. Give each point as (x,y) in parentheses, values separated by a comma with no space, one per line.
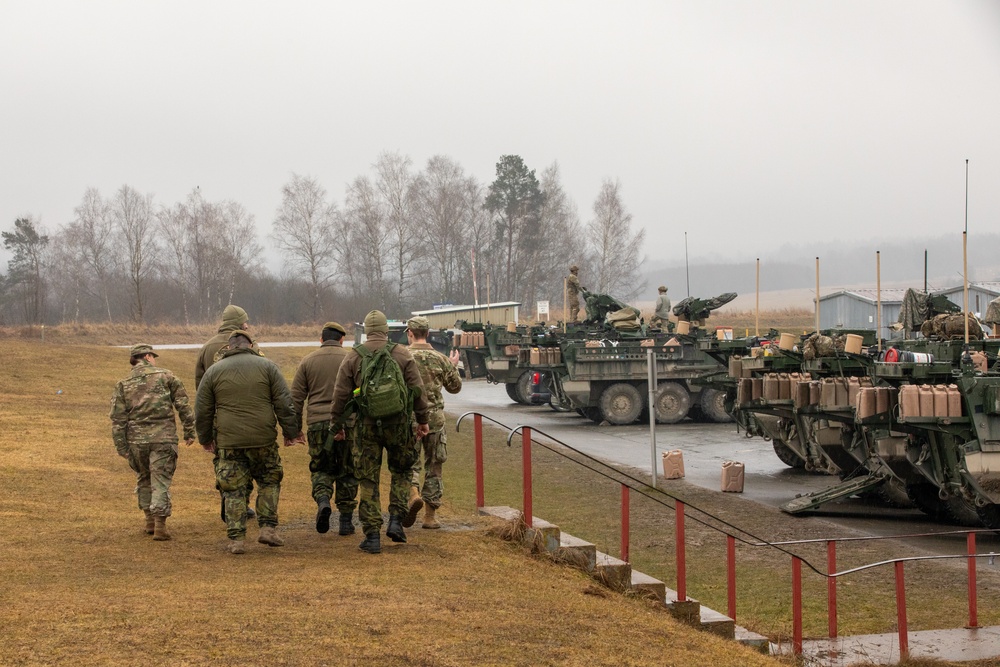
(573,292)
(661,316)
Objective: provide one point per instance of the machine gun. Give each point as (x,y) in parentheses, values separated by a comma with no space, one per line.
(693,309)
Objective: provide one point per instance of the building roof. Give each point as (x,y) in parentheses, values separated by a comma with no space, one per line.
(460,309)
(889,295)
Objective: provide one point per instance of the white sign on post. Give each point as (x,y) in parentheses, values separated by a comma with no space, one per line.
(543,309)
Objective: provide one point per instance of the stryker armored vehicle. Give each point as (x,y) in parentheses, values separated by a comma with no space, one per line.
(600,369)
(439,340)
(492,352)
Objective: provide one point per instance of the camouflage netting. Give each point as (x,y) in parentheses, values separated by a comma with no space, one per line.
(951,327)
(818,345)
(913,311)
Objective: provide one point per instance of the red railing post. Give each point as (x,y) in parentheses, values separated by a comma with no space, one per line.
(480,488)
(625,522)
(526,473)
(831,587)
(796,605)
(681,561)
(904,641)
(973,610)
(731,575)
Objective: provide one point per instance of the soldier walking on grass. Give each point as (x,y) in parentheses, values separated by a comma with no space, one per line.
(329,460)
(381,382)
(436,371)
(241,399)
(144,432)
(234,318)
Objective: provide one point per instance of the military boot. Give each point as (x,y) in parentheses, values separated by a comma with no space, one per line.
(160,529)
(413,509)
(429,520)
(323,515)
(346,523)
(372,544)
(150,523)
(236,547)
(269,537)
(395,530)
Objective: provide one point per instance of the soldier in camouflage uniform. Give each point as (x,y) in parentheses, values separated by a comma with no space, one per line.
(661,316)
(436,371)
(396,436)
(573,292)
(234,318)
(329,459)
(144,432)
(241,399)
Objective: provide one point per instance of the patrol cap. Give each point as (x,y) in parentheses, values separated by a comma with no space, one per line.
(574,268)
(335,326)
(142,349)
(662,288)
(419,322)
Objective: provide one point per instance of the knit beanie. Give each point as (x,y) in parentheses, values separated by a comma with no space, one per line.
(375,321)
(234,316)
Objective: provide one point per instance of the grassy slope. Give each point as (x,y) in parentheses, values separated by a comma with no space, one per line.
(83,585)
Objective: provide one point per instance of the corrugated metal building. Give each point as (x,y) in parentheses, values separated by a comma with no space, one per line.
(492,313)
(980,295)
(857,309)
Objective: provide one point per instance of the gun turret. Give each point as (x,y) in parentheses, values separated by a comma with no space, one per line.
(693,309)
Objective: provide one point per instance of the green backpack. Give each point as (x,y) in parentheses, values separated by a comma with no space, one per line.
(383,393)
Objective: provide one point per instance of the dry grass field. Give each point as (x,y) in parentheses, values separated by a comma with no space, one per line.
(83,584)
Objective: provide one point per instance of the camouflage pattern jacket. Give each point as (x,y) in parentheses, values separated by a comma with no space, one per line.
(241,400)
(573,286)
(314,381)
(142,408)
(436,371)
(349,378)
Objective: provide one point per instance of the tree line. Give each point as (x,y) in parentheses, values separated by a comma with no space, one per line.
(401,239)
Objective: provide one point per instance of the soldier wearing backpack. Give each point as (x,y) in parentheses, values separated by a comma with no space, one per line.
(380,382)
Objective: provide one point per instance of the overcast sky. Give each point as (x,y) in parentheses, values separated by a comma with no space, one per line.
(739,123)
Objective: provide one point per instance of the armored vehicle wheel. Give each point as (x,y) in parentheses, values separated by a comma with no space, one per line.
(582,412)
(892,493)
(672,403)
(621,403)
(787,454)
(523,388)
(593,414)
(713,406)
(989,514)
(954,510)
(511,388)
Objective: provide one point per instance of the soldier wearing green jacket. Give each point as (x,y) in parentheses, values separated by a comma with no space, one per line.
(371,436)
(573,289)
(436,371)
(242,398)
(661,315)
(144,432)
(234,318)
(329,459)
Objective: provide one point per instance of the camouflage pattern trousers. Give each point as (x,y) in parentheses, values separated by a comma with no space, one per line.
(154,466)
(401,450)
(435,453)
(237,467)
(331,465)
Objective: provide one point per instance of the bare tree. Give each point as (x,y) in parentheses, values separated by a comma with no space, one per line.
(92,233)
(303,231)
(396,188)
(368,240)
(563,242)
(133,218)
(241,253)
(74,286)
(614,245)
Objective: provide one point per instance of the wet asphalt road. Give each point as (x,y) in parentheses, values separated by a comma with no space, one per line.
(705,447)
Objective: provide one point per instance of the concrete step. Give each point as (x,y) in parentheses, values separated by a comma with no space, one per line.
(751,639)
(542,535)
(613,573)
(577,552)
(648,586)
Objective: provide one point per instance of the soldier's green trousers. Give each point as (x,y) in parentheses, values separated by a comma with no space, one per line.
(435,453)
(237,467)
(401,451)
(154,466)
(332,467)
